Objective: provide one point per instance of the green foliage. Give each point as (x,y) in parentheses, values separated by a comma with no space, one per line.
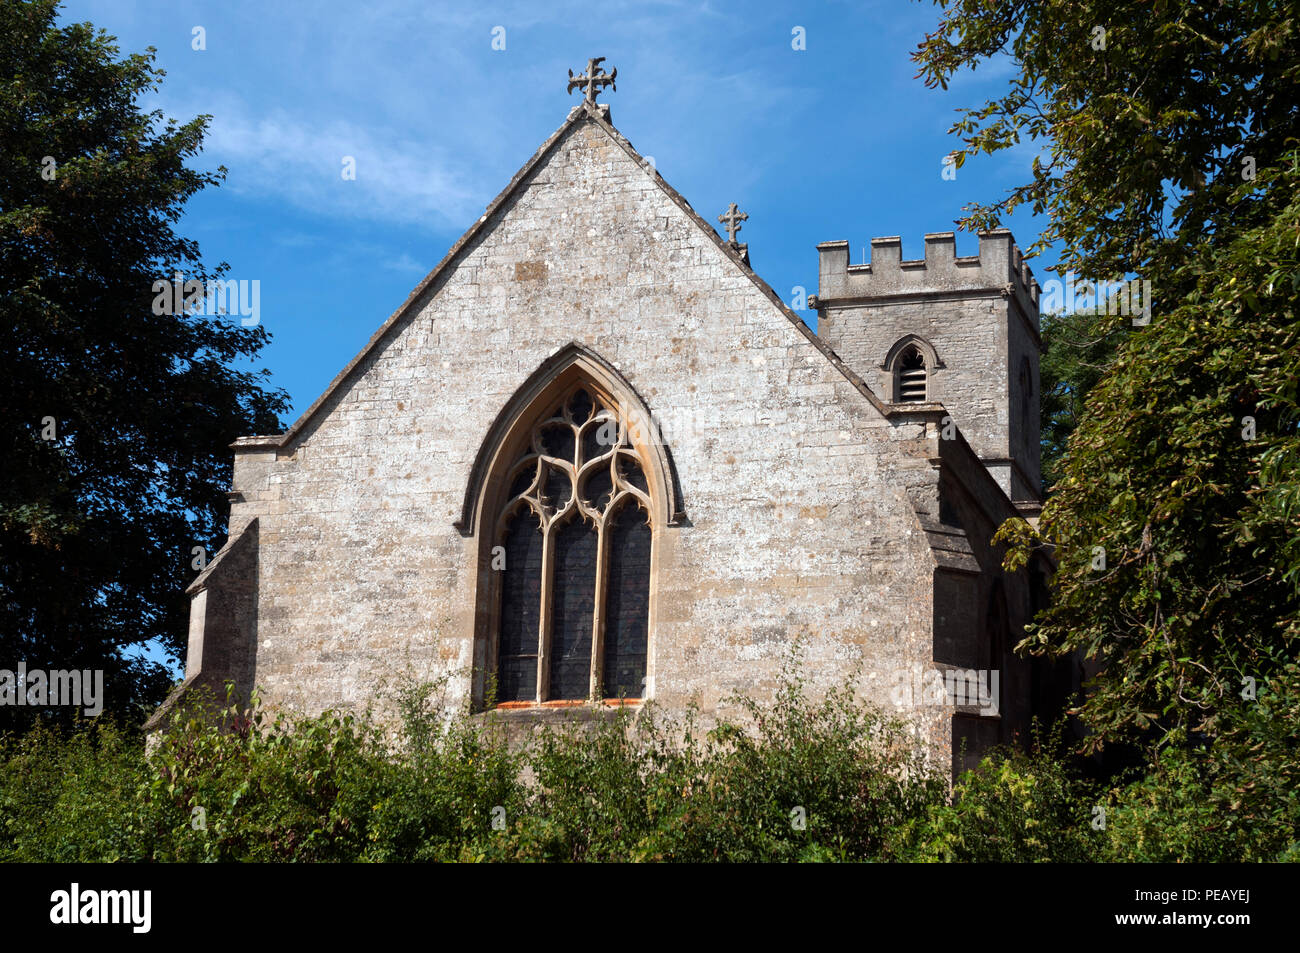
(239,791)
(1143,128)
(66,792)
(1015,807)
(790,781)
(1168,152)
(627,788)
(1237,798)
(333,787)
(1077,349)
(97,524)
(1193,496)
(856,773)
(439,794)
(341,788)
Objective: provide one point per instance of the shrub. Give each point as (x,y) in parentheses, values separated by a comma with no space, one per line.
(440,787)
(793,780)
(63,792)
(1231,798)
(790,781)
(1016,806)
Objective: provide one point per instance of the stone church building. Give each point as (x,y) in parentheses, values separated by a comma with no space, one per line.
(594,460)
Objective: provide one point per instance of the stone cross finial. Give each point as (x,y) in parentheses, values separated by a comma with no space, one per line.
(593,79)
(732,217)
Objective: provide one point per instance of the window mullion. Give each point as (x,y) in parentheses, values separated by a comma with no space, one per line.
(598,610)
(544,623)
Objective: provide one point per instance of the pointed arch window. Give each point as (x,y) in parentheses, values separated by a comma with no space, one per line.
(574,537)
(909,371)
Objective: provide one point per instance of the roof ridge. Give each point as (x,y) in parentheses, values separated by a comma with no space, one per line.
(598,115)
(742,263)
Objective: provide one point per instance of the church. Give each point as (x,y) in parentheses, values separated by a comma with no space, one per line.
(594,461)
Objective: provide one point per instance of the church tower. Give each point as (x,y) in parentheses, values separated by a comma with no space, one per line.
(961,332)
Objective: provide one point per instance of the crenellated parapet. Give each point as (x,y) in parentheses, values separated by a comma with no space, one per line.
(958,331)
(999,267)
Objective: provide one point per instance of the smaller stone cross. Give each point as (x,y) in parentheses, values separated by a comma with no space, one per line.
(733,217)
(593,79)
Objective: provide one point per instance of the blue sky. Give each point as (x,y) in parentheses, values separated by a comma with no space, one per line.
(837,141)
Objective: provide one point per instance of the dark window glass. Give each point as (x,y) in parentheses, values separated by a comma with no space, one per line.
(627,604)
(557,441)
(558,488)
(630,470)
(552,533)
(522,481)
(572,600)
(521,605)
(598,439)
(580,406)
(599,487)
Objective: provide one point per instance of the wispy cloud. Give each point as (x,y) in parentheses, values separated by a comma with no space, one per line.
(397,178)
(437,121)
(405,264)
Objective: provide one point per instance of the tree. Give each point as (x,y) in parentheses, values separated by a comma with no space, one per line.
(1169,132)
(1077,350)
(116,419)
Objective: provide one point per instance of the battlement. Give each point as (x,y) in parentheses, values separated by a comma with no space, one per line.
(973,323)
(998,267)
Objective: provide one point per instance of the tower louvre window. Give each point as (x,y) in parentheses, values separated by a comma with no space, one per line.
(911,377)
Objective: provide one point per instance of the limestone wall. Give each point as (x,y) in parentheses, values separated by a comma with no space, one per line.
(794,486)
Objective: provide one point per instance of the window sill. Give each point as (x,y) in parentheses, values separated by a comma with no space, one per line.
(567,703)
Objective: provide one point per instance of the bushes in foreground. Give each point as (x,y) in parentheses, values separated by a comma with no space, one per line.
(794,780)
(1016,807)
(790,781)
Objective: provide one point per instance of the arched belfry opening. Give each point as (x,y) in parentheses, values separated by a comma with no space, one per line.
(572,488)
(910,366)
(911,376)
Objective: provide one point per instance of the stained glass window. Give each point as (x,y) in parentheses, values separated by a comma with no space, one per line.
(575,532)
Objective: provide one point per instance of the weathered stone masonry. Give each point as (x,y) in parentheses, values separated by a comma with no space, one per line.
(792,499)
